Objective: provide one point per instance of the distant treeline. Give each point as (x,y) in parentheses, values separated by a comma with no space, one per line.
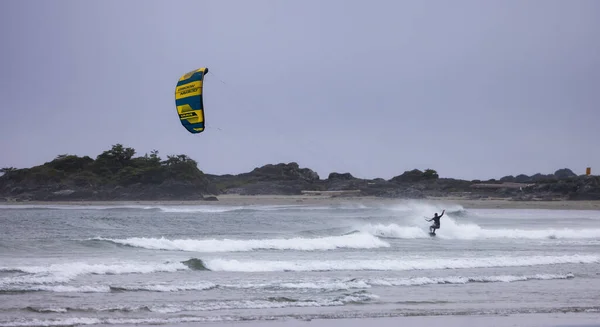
(116,174)
(116,166)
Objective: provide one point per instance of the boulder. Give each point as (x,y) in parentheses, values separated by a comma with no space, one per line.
(342,176)
(414,175)
(564,173)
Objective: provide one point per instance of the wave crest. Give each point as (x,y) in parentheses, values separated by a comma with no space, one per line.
(354,241)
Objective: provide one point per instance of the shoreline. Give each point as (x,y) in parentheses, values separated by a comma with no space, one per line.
(500,320)
(248,200)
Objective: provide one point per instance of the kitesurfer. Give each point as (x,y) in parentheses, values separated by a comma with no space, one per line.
(436,222)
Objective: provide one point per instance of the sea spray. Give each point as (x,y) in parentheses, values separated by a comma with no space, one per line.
(469,231)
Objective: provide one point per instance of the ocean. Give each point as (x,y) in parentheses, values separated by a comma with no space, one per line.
(70,265)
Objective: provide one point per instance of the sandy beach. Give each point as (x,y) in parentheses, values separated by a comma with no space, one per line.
(244,200)
(529,320)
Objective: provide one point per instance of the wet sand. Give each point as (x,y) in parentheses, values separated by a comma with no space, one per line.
(525,320)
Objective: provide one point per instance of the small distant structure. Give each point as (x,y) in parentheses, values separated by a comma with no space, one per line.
(588,171)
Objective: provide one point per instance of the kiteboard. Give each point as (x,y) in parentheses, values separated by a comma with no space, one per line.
(431,234)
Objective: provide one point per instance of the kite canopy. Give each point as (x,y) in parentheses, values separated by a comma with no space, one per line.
(188,99)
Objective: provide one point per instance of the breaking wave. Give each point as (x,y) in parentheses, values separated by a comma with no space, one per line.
(64,272)
(296,284)
(210,208)
(393,264)
(77,321)
(354,241)
(452,230)
(211,305)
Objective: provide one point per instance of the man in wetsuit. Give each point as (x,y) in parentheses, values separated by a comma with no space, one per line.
(436,222)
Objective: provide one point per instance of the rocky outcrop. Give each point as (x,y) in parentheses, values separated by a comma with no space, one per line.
(573,188)
(276,179)
(113,175)
(564,173)
(560,174)
(172,190)
(415,175)
(340,176)
(290,171)
(117,175)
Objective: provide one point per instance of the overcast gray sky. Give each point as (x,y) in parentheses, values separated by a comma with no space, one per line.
(473,89)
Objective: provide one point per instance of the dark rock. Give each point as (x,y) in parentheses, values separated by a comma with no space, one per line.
(281,171)
(116,175)
(541,177)
(508,179)
(414,175)
(343,176)
(564,173)
(279,179)
(522,178)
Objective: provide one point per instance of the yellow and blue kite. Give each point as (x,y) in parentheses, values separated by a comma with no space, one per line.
(188,99)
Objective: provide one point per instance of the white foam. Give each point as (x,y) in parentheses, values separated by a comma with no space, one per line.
(58,288)
(176,208)
(250,304)
(211,305)
(359,283)
(199,286)
(71,206)
(355,241)
(393,230)
(265,304)
(63,272)
(393,265)
(217,209)
(306,284)
(327,285)
(452,230)
(424,208)
(201,209)
(418,281)
(537,214)
(53,322)
(473,231)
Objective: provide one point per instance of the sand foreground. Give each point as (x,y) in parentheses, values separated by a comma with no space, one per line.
(521,320)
